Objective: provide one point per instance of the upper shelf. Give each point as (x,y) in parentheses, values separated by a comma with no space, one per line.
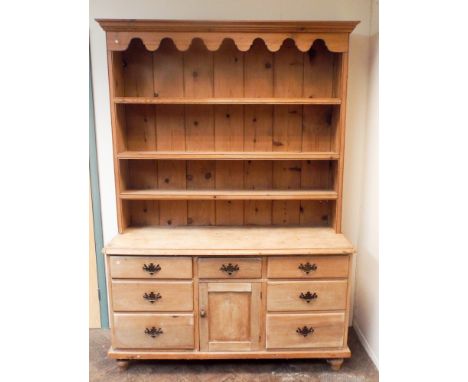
(229,155)
(226,101)
(228,195)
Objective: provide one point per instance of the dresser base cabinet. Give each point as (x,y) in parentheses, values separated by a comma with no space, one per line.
(216,303)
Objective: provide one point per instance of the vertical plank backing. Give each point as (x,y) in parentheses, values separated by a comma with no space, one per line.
(315,213)
(141,127)
(317,175)
(288,82)
(172,175)
(287,125)
(286,175)
(170,127)
(318,128)
(138,70)
(142,175)
(199,121)
(168,69)
(199,128)
(201,176)
(258,176)
(258,82)
(318,71)
(144,213)
(228,82)
(229,128)
(229,176)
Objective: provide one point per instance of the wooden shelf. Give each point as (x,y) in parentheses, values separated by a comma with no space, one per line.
(229,241)
(228,155)
(226,101)
(228,195)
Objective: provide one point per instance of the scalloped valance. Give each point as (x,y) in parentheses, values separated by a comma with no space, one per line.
(120,33)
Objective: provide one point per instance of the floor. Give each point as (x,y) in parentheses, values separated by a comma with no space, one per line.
(357,369)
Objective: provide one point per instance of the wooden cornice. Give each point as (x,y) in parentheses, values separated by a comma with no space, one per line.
(120,33)
(119,25)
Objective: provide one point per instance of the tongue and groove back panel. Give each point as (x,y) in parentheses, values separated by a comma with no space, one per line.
(198,73)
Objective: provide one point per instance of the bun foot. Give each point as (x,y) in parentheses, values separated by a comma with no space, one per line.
(122,364)
(335,364)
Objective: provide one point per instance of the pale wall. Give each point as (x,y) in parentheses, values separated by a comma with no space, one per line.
(243,10)
(366,301)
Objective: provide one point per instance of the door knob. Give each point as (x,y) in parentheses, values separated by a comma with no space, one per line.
(202,313)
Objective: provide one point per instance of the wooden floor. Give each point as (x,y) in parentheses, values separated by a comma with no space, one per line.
(357,369)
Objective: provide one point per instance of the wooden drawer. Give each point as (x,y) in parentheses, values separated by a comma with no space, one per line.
(130,296)
(327,330)
(150,267)
(227,267)
(285,296)
(139,331)
(308,267)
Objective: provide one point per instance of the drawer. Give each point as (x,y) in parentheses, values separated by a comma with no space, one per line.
(299,331)
(150,267)
(308,267)
(153,331)
(150,295)
(285,296)
(227,267)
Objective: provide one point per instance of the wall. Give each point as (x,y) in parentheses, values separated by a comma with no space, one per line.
(242,10)
(366,302)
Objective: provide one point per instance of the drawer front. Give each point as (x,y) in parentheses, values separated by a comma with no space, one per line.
(308,267)
(150,267)
(230,268)
(151,296)
(285,296)
(153,331)
(301,331)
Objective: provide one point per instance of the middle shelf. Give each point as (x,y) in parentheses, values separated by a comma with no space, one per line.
(229,155)
(228,195)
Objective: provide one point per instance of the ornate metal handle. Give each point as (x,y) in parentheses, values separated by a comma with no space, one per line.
(151,268)
(308,297)
(229,269)
(153,332)
(202,313)
(305,331)
(151,297)
(307,267)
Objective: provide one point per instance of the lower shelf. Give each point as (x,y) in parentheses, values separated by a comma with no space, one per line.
(145,354)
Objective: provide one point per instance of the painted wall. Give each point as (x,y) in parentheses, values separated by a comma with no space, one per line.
(366,302)
(245,10)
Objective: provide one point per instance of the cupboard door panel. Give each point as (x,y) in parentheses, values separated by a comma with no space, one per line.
(229,316)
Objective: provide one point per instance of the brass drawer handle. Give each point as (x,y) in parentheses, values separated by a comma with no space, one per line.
(305,331)
(308,297)
(307,267)
(153,332)
(229,269)
(151,297)
(151,268)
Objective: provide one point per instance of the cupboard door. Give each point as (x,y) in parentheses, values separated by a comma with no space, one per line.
(229,316)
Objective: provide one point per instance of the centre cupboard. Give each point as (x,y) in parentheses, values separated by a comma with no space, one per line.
(228,142)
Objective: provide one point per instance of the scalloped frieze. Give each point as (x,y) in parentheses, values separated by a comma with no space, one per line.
(335,42)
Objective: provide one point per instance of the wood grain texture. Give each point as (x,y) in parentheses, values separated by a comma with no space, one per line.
(327,330)
(177,331)
(133,267)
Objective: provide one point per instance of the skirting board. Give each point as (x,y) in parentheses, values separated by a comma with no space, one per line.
(366,345)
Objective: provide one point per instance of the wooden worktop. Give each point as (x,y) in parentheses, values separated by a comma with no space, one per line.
(228,241)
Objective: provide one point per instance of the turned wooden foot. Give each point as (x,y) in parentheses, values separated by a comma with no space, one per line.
(122,364)
(335,364)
